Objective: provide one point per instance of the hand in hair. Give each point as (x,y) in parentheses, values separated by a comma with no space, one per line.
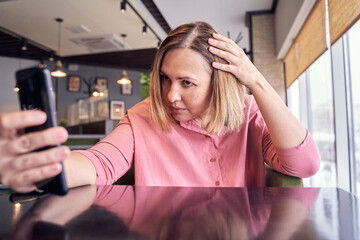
(285,129)
(238,63)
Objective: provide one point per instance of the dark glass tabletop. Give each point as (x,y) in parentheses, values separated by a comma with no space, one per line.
(127,212)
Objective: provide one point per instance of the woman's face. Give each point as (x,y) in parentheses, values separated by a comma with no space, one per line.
(185,79)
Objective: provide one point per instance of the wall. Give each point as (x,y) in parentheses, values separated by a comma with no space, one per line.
(263,37)
(285,14)
(8,67)
(89,73)
(9,100)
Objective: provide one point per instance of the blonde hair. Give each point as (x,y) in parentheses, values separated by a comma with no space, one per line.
(227,94)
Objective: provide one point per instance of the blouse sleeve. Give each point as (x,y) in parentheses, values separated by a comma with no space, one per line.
(113,156)
(301,161)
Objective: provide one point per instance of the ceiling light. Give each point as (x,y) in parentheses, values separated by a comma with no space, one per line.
(24,44)
(124,79)
(95,93)
(144,29)
(123,6)
(51,58)
(58,71)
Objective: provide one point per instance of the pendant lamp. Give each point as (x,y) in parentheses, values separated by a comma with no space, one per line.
(58,70)
(124,79)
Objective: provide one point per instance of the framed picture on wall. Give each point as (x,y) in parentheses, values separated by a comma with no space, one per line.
(74,83)
(101,83)
(117,110)
(83,109)
(103,109)
(92,110)
(126,89)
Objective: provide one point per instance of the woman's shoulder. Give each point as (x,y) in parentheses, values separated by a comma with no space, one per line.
(250,104)
(141,108)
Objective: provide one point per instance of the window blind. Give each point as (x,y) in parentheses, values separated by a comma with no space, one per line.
(342,15)
(291,66)
(309,44)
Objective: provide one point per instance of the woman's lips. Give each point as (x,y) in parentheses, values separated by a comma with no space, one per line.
(177,109)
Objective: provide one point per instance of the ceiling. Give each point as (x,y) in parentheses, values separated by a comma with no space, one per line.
(101,25)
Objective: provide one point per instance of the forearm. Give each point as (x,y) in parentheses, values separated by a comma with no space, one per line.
(61,209)
(285,130)
(79,170)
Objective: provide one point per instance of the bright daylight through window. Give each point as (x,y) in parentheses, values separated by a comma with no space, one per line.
(354,62)
(311,99)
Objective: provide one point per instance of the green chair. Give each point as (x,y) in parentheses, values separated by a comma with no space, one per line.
(276,179)
(80,142)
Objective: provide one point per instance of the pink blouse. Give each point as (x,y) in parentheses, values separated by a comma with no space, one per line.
(188,156)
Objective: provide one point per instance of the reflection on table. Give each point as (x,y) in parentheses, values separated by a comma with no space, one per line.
(127,212)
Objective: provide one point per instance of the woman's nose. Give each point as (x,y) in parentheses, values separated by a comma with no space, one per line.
(173,94)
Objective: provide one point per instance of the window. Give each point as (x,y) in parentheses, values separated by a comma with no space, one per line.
(326,97)
(293,99)
(353,37)
(321,119)
(310,99)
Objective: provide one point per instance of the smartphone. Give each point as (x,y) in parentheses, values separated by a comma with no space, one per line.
(36,92)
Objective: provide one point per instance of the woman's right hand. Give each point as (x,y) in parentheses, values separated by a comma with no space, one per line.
(20,167)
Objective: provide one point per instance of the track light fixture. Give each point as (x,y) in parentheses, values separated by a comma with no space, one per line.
(24,44)
(144,29)
(146,26)
(52,56)
(123,6)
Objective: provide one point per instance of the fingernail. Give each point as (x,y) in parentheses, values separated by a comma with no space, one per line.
(60,135)
(62,153)
(56,167)
(40,117)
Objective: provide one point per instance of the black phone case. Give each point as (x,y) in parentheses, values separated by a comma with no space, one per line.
(35,92)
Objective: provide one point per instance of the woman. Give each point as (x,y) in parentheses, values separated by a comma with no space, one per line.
(198,128)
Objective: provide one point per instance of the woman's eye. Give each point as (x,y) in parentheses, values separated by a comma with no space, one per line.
(187,83)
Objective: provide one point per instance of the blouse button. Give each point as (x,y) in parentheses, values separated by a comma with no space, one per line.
(212,160)
(217,183)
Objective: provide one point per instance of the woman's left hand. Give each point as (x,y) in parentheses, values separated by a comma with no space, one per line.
(237,62)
